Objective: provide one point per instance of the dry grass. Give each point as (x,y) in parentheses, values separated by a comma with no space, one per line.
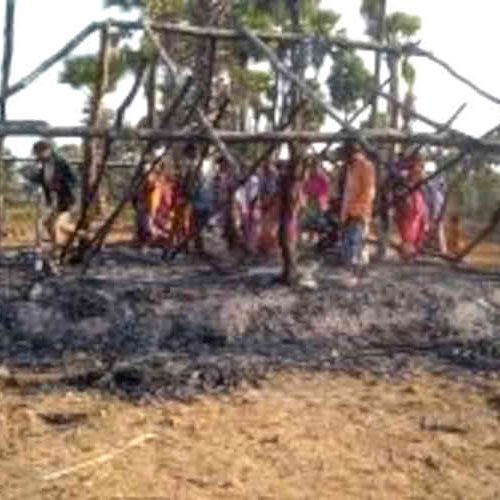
(298,437)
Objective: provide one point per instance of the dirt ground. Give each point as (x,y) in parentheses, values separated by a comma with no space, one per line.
(296,437)
(188,383)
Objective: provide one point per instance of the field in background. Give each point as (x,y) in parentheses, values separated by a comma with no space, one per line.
(21,232)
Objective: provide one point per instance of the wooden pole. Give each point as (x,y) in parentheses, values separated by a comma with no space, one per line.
(151,93)
(8,50)
(382,136)
(90,150)
(378,60)
(54,59)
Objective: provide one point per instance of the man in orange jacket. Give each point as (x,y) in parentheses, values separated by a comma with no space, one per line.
(358,196)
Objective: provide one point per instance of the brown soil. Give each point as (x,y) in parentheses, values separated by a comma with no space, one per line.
(297,437)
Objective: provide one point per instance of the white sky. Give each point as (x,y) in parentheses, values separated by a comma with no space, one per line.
(463,34)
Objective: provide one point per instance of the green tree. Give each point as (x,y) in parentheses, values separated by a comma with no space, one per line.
(349,82)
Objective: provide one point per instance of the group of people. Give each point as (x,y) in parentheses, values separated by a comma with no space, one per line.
(176,202)
(173,204)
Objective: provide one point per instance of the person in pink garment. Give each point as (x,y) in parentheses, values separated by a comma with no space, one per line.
(317,185)
(411,211)
(316,191)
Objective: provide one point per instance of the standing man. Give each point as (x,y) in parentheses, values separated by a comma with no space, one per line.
(57,182)
(358,195)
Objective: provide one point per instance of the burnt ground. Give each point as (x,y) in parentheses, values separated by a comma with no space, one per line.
(138,328)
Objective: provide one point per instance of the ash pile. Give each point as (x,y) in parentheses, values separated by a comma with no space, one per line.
(181,331)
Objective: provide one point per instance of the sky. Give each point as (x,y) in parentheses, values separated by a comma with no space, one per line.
(465,37)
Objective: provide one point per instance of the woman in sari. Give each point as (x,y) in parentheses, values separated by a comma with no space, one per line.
(270,204)
(411,212)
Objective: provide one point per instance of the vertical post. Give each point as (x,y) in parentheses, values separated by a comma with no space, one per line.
(382,4)
(151,92)
(8,48)
(91,161)
(384,226)
(290,178)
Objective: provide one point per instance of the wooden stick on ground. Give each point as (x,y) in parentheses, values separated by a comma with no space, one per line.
(102,459)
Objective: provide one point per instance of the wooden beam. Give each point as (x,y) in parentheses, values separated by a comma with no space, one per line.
(384,136)
(76,162)
(283,37)
(53,59)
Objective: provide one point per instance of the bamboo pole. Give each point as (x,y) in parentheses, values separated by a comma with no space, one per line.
(8,50)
